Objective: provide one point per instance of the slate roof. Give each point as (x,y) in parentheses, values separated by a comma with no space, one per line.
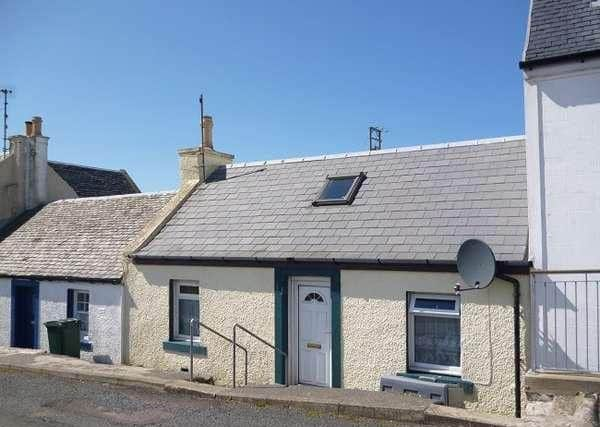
(95,182)
(415,204)
(78,238)
(559,29)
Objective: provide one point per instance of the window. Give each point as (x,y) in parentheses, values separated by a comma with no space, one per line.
(81,311)
(313,296)
(434,333)
(340,190)
(186,306)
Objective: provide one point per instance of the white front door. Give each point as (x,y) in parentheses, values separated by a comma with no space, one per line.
(314,334)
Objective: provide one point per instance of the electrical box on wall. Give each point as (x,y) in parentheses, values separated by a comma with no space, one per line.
(438,392)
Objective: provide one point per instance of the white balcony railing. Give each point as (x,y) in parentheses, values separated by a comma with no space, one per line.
(566,321)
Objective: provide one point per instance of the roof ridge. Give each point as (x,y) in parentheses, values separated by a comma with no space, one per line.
(380,152)
(117,196)
(87,167)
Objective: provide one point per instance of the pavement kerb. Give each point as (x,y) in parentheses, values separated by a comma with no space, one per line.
(330,407)
(428,414)
(121,380)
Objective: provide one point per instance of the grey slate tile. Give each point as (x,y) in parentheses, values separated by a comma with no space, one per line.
(446,195)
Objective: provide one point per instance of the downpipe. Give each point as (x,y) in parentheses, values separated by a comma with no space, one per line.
(517,338)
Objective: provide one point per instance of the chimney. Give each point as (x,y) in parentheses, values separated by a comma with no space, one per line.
(36,126)
(198,163)
(31,160)
(207,128)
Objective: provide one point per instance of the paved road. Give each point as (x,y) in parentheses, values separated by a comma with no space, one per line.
(31,400)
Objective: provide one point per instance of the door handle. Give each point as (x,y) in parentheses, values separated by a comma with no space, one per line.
(315,345)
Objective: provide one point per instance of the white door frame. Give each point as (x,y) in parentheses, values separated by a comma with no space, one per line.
(293,315)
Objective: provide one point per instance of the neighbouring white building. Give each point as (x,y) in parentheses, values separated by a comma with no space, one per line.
(561,67)
(61,245)
(66,261)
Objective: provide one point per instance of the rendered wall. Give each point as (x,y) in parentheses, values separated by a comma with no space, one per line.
(58,188)
(105,315)
(5,293)
(11,200)
(563,163)
(374,325)
(227,296)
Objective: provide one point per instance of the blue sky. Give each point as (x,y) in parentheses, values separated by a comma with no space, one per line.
(117,83)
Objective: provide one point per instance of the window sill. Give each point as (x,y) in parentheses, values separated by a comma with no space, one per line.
(467,386)
(184,347)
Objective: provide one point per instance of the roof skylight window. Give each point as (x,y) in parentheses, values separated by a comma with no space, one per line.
(340,190)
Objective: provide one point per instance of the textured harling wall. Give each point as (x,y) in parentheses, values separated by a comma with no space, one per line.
(227,296)
(373,325)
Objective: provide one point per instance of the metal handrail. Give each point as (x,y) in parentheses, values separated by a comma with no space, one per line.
(220,335)
(235,345)
(252,334)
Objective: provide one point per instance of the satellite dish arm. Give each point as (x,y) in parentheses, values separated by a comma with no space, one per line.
(458,288)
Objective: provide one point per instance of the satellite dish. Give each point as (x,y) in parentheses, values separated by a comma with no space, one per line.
(476,263)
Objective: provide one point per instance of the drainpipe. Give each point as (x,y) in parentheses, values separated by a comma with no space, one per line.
(517,338)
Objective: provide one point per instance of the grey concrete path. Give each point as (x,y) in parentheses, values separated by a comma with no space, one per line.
(353,403)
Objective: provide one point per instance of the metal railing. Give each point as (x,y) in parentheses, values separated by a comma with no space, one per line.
(566,320)
(253,335)
(229,340)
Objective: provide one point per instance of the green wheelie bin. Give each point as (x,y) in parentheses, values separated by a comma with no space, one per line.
(63,337)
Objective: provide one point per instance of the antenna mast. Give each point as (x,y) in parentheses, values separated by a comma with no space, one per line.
(5,92)
(202,136)
(375,138)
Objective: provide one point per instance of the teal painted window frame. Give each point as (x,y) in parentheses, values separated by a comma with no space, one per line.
(282,278)
(184,347)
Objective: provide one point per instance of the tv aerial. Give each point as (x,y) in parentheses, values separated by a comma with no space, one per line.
(476,265)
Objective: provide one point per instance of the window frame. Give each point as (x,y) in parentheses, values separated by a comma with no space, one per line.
(424,312)
(350,194)
(177,295)
(76,311)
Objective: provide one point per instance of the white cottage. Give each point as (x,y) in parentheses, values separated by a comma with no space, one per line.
(66,261)
(346,263)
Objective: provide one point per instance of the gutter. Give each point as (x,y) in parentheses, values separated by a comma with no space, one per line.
(581,57)
(114,281)
(513,267)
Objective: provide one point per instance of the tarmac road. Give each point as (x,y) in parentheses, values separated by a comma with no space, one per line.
(38,400)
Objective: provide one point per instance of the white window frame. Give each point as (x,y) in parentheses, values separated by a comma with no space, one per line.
(177,295)
(76,311)
(412,312)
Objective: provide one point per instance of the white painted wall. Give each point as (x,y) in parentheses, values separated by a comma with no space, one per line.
(5,293)
(105,315)
(563,164)
(374,329)
(373,325)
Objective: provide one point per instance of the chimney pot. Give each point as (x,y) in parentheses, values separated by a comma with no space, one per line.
(207,128)
(28,128)
(37,126)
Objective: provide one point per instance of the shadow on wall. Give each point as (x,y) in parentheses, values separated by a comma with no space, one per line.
(586,92)
(567,325)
